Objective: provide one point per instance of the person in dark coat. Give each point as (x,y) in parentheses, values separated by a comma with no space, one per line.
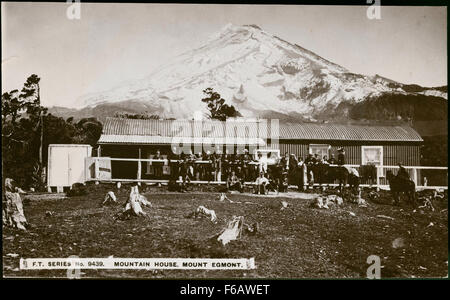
(402,173)
(341,157)
(158,166)
(332,160)
(292,169)
(285,161)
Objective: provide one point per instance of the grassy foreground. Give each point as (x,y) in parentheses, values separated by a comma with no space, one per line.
(297,242)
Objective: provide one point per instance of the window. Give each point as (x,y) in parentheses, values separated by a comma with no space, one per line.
(372,155)
(320,149)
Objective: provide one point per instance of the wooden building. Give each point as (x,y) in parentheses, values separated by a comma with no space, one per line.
(380,145)
(134,138)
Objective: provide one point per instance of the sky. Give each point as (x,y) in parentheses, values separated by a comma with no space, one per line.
(112,42)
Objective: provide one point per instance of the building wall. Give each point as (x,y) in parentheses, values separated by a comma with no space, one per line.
(408,154)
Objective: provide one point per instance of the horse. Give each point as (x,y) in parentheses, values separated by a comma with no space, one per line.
(345,175)
(399,185)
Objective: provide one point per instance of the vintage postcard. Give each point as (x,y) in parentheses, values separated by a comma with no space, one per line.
(201,141)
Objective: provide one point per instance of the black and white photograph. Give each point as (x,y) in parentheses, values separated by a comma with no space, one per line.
(224,141)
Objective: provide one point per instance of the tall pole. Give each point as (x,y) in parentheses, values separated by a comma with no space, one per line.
(42,132)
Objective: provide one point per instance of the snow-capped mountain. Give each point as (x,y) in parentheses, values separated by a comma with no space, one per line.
(254,71)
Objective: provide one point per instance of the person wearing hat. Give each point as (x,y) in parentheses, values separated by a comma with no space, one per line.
(402,173)
(341,156)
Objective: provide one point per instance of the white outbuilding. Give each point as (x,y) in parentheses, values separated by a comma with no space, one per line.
(66,165)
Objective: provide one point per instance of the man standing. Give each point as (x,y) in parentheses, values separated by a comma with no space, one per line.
(245,167)
(292,169)
(285,162)
(332,160)
(341,157)
(158,165)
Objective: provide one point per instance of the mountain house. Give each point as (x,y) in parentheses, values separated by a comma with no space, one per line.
(364,144)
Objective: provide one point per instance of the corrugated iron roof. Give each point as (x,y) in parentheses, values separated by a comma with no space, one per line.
(137,131)
(327,131)
(146,139)
(188,128)
(133,139)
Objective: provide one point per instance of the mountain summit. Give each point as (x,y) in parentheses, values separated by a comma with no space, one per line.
(253,70)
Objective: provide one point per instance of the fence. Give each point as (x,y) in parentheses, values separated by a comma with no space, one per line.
(105,169)
(425,177)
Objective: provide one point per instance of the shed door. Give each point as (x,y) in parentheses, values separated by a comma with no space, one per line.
(76,157)
(59,171)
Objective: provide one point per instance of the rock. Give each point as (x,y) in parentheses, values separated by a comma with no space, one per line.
(284,205)
(222,197)
(110,198)
(203,211)
(398,243)
(318,202)
(361,202)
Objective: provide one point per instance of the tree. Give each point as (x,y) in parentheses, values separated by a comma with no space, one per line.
(30,95)
(11,106)
(217,108)
(88,131)
(24,137)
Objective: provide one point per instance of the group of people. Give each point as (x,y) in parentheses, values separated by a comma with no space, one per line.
(238,168)
(209,166)
(306,171)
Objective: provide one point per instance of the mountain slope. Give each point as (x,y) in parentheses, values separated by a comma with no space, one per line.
(260,74)
(254,71)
